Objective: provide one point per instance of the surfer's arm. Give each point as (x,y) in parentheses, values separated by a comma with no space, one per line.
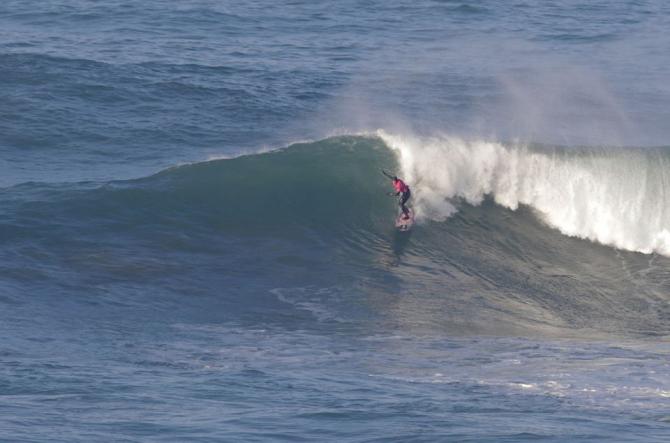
(387,174)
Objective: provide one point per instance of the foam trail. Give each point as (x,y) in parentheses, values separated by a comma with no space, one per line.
(615,197)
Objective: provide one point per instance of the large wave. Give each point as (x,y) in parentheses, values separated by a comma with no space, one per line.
(616,197)
(315,215)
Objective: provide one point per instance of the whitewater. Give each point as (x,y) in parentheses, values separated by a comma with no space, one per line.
(197,244)
(616,197)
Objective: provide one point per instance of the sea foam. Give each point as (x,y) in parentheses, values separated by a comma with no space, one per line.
(616,197)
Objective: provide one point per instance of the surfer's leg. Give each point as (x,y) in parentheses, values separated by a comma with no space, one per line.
(403,199)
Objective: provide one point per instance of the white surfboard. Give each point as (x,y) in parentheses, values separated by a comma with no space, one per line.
(403,223)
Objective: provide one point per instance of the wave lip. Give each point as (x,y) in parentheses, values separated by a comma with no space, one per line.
(615,197)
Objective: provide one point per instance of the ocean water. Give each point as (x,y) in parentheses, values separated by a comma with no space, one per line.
(196,243)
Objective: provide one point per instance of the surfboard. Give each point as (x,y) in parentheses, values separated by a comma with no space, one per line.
(404,224)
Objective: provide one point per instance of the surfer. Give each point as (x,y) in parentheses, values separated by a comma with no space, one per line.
(401,190)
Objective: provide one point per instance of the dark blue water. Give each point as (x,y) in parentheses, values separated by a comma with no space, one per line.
(196,243)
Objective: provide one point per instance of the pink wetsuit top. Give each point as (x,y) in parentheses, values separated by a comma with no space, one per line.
(400,186)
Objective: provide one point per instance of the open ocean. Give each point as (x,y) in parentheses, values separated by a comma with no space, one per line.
(196,243)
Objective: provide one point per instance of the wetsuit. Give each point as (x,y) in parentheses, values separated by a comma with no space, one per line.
(403,191)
